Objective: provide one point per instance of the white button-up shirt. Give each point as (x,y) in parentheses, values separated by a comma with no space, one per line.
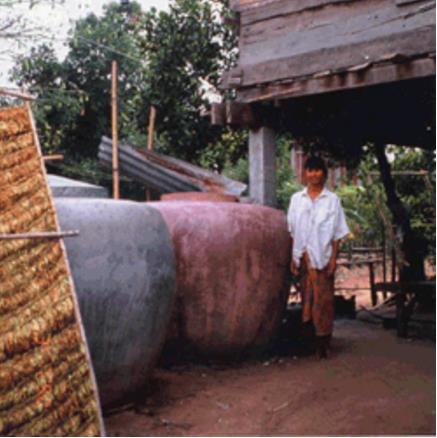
(314,225)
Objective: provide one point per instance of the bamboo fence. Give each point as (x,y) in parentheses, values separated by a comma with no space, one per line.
(47,386)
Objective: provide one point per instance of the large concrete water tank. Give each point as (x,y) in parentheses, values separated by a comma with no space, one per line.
(232,277)
(123,268)
(63,187)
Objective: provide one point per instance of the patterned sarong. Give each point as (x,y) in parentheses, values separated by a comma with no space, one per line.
(317,291)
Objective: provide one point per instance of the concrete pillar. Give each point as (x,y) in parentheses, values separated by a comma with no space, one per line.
(262,166)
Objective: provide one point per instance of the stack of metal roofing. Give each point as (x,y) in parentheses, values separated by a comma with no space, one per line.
(167,174)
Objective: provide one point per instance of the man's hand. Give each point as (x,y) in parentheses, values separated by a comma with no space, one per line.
(332,266)
(293,268)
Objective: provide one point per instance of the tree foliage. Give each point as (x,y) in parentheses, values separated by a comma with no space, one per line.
(366,204)
(186,52)
(417,190)
(60,104)
(73,109)
(165,59)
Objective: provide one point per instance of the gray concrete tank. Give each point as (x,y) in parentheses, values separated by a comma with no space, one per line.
(71,188)
(123,268)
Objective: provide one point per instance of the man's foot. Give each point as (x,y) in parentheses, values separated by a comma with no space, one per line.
(322,347)
(322,353)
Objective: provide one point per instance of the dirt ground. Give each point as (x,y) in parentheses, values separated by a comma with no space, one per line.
(373,384)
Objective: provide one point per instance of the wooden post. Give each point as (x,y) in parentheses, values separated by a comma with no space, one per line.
(393,265)
(150,132)
(401,312)
(151,129)
(115,173)
(384,262)
(373,293)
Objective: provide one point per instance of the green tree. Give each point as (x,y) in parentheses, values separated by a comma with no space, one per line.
(414,175)
(73,109)
(225,151)
(186,49)
(165,58)
(60,103)
(408,217)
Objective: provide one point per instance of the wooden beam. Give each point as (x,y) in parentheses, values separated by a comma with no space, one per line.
(234,78)
(374,75)
(258,11)
(218,114)
(263,9)
(345,24)
(236,114)
(241,114)
(415,43)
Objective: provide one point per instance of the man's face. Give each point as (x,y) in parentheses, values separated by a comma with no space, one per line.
(314,176)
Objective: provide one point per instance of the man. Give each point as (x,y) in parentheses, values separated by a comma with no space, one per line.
(316,222)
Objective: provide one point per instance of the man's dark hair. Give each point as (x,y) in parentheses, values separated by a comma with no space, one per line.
(316,163)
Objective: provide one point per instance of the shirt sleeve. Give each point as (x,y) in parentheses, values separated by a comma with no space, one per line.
(290,216)
(341,228)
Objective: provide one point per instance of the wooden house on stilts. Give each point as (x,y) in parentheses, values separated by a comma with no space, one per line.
(344,72)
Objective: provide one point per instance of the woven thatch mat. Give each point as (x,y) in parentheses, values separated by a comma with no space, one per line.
(47,385)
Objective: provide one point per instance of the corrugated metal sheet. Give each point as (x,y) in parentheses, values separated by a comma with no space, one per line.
(167,174)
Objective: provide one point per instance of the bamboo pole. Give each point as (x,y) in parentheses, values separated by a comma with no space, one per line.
(53,157)
(115,173)
(151,129)
(39,235)
(150,132)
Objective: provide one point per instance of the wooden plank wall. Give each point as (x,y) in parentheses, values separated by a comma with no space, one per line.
(283,39)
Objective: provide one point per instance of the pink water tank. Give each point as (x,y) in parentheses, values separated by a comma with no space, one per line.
(198,196)
(232,263)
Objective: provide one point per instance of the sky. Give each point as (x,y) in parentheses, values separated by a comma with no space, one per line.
(58,19)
